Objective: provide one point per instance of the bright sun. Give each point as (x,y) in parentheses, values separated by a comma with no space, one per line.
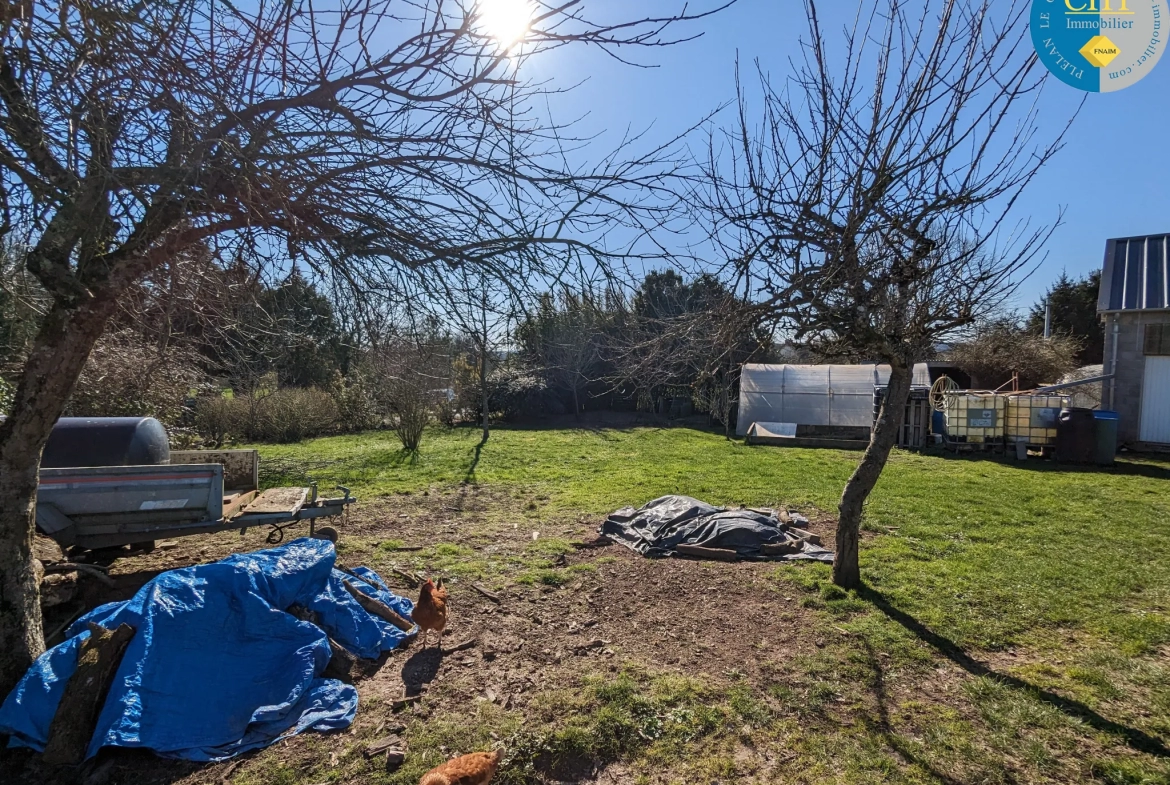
(506,21)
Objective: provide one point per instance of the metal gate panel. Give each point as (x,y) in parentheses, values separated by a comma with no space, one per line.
(1155,425)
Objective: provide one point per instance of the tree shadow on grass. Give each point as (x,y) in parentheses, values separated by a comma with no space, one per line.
(476,453)
(881,724)
(1123,467)
(1138,740)
(605,423)
(403,457)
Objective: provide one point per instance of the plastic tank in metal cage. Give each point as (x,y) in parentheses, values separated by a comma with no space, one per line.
(975,417)
(1032,419)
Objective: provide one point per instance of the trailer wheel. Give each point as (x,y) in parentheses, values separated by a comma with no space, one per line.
(326,533)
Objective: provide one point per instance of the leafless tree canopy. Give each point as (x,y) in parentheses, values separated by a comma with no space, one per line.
(697,335)
(412,380)
(868,203)
(1001,349)
(345,130)
(368,140)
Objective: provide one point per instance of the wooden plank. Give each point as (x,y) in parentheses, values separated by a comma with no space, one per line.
(399,703)
(719,554)
(490,595)
(377,584)
(382,745)
(287,501)
(781,548)
(815,539)
(378,608)
(410,577)
(237,503)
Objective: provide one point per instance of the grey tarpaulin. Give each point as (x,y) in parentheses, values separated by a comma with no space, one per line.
(659,526)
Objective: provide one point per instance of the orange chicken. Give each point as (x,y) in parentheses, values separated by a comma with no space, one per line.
(430,612)
(474,769)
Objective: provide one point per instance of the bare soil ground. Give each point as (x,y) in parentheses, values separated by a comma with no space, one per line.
(596,608)
(751,662)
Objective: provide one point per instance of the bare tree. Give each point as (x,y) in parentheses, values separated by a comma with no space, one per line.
(576,349)
(563,337)
(869,208)
(368,138)
(410,374)
(695,335)
(480,307)
(1002,350)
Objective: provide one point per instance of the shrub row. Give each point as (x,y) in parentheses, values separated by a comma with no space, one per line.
(287,414)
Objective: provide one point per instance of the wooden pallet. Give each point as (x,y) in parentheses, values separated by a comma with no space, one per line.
(286,501)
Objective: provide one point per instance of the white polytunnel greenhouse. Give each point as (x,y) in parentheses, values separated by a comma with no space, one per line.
(820,395)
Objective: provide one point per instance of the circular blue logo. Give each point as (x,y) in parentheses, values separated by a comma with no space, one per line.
(1100,46)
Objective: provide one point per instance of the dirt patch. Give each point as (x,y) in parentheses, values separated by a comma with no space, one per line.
(594,608)
(804,681)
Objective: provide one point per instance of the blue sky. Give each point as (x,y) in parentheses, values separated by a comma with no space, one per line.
(1112,176)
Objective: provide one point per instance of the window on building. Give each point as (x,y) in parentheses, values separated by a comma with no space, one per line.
(1157,339)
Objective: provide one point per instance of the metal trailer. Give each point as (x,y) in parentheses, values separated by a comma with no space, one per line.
(110,506)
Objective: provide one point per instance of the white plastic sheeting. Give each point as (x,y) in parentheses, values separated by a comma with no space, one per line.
(840,395)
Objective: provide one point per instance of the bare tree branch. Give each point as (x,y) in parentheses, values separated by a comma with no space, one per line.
(868,210)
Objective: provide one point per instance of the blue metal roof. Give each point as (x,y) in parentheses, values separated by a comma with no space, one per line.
(1134,277)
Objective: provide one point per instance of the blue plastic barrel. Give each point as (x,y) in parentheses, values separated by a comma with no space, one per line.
(938,422)
(1106,423)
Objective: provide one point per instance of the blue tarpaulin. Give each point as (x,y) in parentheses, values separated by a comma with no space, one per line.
(217,666)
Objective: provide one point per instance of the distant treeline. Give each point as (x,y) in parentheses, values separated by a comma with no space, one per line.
(219,355)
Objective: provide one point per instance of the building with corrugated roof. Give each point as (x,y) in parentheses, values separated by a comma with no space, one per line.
(1134,304)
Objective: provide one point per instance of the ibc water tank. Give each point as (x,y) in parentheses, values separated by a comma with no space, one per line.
(106,441)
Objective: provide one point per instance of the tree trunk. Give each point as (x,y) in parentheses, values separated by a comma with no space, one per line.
(483,387)
(57,358)
(846,570)
(576,404)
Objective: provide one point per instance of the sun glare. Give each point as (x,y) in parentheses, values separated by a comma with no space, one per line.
(507,21)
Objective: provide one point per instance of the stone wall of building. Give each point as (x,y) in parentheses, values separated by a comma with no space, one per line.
(1123,393)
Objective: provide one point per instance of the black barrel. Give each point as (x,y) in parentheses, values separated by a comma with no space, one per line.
(106,441)
(1076,436)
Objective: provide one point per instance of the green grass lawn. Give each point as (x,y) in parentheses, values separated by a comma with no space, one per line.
(987,552)
(1049,586)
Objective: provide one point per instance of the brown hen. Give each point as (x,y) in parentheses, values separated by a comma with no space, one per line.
(430,612)
(474,769)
